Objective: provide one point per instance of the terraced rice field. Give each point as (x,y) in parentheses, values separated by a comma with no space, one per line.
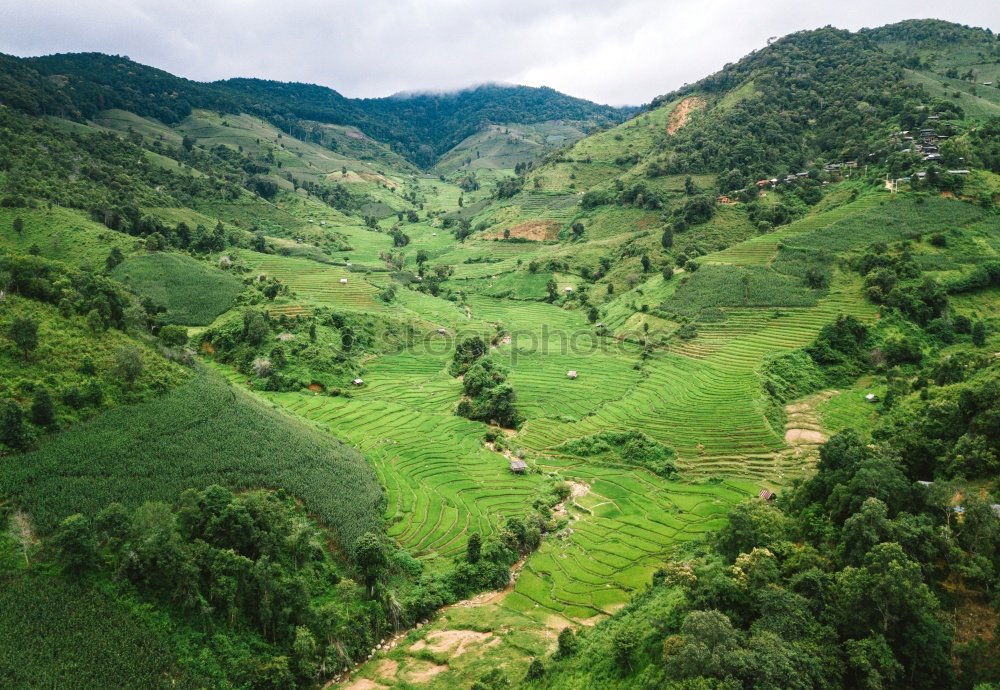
(761,250)
(319,283)
(702,397)
(441,481)
(623,527)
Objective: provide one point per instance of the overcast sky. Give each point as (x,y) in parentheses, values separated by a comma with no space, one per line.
(611,51)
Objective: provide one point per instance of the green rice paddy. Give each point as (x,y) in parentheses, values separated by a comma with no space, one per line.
(700,396)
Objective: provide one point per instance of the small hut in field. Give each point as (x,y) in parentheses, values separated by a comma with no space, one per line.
(518,466)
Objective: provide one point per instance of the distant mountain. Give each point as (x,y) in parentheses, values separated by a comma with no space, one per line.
(425,125)
(421,127)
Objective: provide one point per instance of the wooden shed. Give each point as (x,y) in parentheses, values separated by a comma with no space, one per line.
(766,495)
(518,466)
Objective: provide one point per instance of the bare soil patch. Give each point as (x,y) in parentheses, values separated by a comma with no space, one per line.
(799,436)
(364,684)
(535,230)
(452,642)
(421,671)
(386,670)
(680,114)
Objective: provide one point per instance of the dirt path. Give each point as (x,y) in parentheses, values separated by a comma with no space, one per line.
(445,640)
(680,114)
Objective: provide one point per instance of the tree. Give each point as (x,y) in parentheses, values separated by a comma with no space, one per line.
(75,545)
(94,321)
(19,226)
(24,332)
(646,263)
(422,257)
(467,352)
(552,290)
(567,643)
(667,238)
(753,523)
(474,548)
(43,412)
(305,653)
(128,364)
(577,230)
(870,663)
(13,430)
(370,558)
(623,647)
(112,524)
(255,327)
(668,272)
(258,242)
(535,670)
(115,257)
(155,242)
(979,334)
(175,336)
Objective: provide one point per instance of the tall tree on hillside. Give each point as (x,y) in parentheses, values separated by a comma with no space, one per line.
(474,548)
(42,410)
(75,544)
(13,431)
(19,226)
(667,238)
(370,557)
(128,364)
(24,332)
(115,257)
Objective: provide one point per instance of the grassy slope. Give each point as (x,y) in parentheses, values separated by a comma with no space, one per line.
(64,343)
(192,292)
(62,234)
(503,146)
(203,432)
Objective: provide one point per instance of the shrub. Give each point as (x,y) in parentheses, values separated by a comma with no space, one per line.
(43,412)
(175,336)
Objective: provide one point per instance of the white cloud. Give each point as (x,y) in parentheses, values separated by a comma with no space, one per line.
(615,52)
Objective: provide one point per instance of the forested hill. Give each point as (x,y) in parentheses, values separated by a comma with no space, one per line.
(814,94)
(420,127)
(946,39)
(424,126)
